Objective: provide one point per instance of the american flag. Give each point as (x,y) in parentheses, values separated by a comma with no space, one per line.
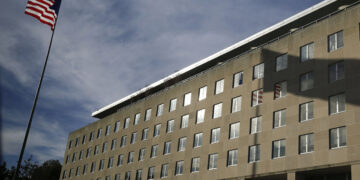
(45,11)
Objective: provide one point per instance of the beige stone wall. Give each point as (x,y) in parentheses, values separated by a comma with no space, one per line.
(348,21)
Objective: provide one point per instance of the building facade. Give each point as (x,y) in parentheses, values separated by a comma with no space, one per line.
(282,104)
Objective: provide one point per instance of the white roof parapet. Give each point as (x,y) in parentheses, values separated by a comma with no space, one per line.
(218,54)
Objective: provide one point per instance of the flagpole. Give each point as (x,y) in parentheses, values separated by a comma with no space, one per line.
(33,107)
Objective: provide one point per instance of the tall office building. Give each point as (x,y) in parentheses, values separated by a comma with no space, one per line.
(281,104)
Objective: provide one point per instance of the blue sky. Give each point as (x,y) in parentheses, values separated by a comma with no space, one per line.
(105,50)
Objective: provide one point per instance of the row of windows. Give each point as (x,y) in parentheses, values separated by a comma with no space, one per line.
(306,112)
(336,72)
(337,139)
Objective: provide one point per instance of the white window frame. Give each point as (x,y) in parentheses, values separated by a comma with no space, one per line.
(179,169)
(187,99)
(219,86)
(308,139)
(255,125)
(238,79)
(336,71)
(167,148)
(281,62)
(184,121)
(279,118)
(200,116)
(126,122)
(234,130)
(254,153)
(280,89)
(117,126)
(145,134)
(307,81)
(123,141)
(202,93)
(236,104)
(164,170)
(170,126)
(142,152)
(131,157)
(217,110)
(232,157)
(213,161)
(308,52)
(277,144)
(154,151)
(133,137)
(195,165)
(338,137)
(197,140)
(160,110)
(172,106)
(147,114)
(309,113)
(182,144)
(257,97)
(338,43)
(258,71)
(215,135)
(337,100)
(157,130)
(137,119)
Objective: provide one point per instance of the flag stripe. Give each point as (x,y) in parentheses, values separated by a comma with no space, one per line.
(43,10)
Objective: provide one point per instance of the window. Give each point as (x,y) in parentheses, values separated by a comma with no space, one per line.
(197,140)
(281,62)
(336,71)
(151,173)
(179,169)
(104,149)
(202,93)
(81,154)
(306,81)
(147,114)
(215,135)
(257,97)
(96,151)
(280,89)
(85,169)
(187,99)
(117,126)
(172,105)
(170,126)
(70,172)
(127,175)
(238,79)
(107,178)
(64,175)
(123,141)
(232,158)
(138,174)
(279,118)
(306,143)
(120,160)
(213,159)
(88,152)
(113,144)
(278,148)
(84,139)
(145,134)
(157,129)
(133,138)
(154,149)
(77,172)
(70,144)
(67,159)
(184,121)
(182,144)
(167,147)
(99,133)
(142,154)
(164,170)
(337,103)
(254,153)
(137,119)
(110,162)
(234,130)
(255,125)
(126,123)
(74,157)
(77,141)
(335,41)
(337,137)
(307,52)
(236,104)
(130,157)
(306,111)
(217,110)
(160,110)
(101,164)
(195,164)
(93,166)
(107,131)
(258,71)
(219,86)
(117,176)
(200,116)
(91,136)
